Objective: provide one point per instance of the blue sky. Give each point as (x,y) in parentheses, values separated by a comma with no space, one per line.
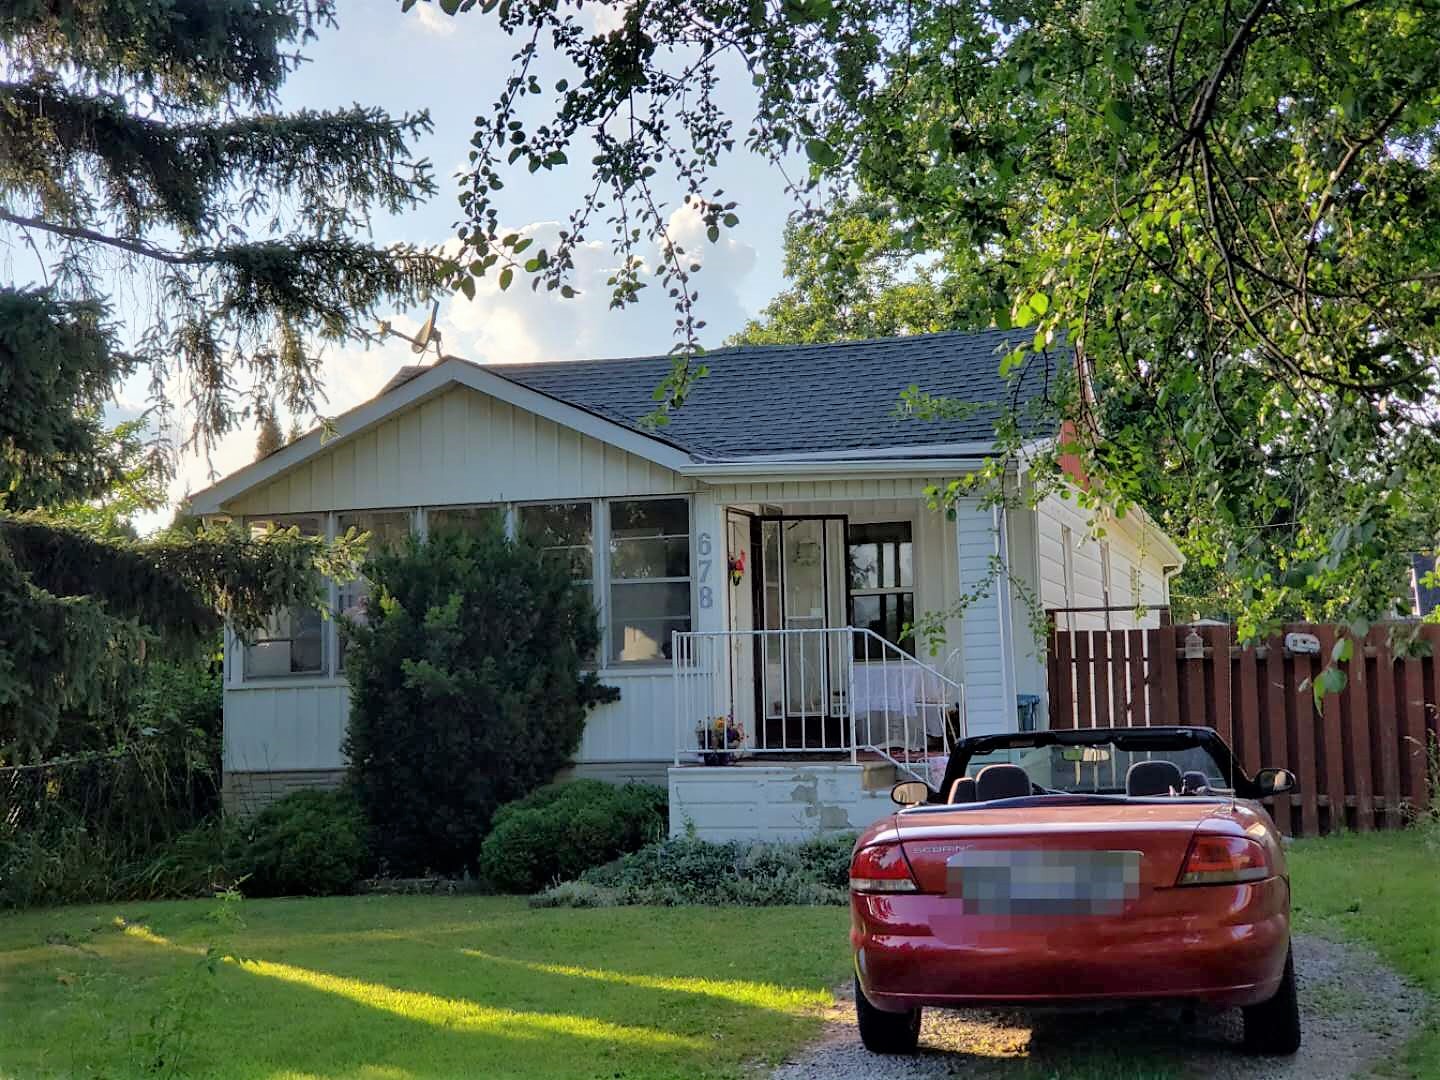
(424,59)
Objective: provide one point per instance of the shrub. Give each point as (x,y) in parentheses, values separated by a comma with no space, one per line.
(467,691)
(310,843)
(686,871)
(564,829)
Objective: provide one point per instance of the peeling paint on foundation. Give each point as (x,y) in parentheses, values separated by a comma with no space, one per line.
(775,802)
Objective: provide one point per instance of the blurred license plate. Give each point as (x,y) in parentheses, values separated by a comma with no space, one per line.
(1043,882)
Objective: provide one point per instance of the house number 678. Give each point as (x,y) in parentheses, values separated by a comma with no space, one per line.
(703,548)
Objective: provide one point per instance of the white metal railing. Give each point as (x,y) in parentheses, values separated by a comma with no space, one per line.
(817,690)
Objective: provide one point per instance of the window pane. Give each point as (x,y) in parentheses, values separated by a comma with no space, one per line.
(907,565)
(387,528)
(562,529)
(467,519)
(864,566)
(631,518)
(886,614)
(650,558)
(291,643)
(308,524)
(642,618)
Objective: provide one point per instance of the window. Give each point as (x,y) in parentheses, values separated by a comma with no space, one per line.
(388,529)
(469,519)
(565,533)
(292,642)
(649,577)
(881,563)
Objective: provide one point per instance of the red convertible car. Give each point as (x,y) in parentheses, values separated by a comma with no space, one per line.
(1082,868)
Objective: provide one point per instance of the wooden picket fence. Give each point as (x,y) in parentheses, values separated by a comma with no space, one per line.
(1360,759)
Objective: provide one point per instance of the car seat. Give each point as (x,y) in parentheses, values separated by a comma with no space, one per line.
(1153,778)
(963,790)
(1001,782)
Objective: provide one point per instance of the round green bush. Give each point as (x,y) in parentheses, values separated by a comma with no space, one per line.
(310,843)
(563,829)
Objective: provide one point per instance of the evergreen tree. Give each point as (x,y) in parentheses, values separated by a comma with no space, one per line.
(142,154)
(269,439)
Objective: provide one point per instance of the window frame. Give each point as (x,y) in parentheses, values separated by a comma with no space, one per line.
(898,592)
(333,675)
(607,611)
(235,673)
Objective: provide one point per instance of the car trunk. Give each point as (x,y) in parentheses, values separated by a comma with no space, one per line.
(1083,858)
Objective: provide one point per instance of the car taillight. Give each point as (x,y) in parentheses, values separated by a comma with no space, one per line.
(1224,860)
(881,868)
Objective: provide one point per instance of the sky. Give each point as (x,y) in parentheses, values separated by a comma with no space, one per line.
(424,59)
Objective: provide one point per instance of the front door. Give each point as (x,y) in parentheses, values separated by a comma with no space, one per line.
(800,589)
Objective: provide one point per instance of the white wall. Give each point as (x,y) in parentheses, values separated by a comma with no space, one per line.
(457,447)
(1137,564)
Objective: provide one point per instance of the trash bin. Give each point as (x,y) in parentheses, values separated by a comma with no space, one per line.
(1028,706)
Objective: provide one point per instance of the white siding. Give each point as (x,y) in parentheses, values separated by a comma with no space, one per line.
(986,628)
(299,726)
(461,446)
(793,492)
(1133,558)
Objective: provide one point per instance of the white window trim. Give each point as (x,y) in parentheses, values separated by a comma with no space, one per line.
(332,676)
(632,667)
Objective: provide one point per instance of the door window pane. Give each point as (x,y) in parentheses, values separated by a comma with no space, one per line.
(649,577)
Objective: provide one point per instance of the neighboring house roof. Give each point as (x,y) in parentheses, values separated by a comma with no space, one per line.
(799,399)
(1427,599)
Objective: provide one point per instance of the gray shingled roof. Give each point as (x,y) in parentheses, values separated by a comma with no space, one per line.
(779,399)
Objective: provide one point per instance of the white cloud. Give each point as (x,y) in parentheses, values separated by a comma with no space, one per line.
(434,21)
(607,17)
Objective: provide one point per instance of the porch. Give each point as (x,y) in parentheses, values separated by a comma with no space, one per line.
(802,696)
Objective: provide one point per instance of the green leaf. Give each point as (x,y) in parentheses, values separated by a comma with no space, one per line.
(467,286)
(506,276)
(1118,115)
(821,152)
(450,7)
(521,245)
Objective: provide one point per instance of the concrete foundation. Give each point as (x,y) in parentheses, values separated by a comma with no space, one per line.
(778,802)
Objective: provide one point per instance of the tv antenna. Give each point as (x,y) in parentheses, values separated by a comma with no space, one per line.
(427,334)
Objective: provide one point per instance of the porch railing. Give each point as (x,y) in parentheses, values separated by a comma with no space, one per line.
(811,690)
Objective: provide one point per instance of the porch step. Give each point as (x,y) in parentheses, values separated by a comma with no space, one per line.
(877,775)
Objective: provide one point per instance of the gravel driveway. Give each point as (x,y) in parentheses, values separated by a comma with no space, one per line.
(1354,1012)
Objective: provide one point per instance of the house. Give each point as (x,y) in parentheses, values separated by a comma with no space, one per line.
(756,560)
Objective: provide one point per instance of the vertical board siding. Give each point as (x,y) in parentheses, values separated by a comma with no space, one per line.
(460,447)
(1360,759)
(285,728)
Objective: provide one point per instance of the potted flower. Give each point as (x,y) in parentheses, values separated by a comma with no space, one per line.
(720,740)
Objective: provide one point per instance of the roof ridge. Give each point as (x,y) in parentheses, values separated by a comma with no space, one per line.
(888,340)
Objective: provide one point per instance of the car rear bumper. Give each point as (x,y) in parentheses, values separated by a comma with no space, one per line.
(1222,945)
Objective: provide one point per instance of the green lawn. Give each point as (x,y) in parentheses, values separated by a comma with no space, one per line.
(399,987)
(428,987)
(1382,890)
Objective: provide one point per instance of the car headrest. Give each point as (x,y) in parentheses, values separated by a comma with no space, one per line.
(1001,782)
(1153,778)
(1194,781)
(963,790)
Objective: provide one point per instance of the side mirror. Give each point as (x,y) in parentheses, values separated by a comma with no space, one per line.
(910,793)
(1275,782)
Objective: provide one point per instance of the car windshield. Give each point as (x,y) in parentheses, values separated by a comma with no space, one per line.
(1096,769)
